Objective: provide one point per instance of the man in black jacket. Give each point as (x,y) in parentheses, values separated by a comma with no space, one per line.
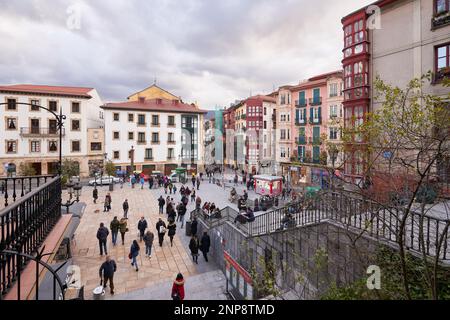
(161,204)
(142,225)
(205,244)
(102,236)
(125,209)
(194,226)
(107,270)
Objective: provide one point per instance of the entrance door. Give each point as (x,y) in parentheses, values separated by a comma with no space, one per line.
(52,167)
(37,166)
(148,169)
(168,168)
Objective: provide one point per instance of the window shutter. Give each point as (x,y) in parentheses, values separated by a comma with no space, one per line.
(311,114)
(297,116)
(320,113)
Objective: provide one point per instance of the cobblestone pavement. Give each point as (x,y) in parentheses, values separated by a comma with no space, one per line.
(166,262)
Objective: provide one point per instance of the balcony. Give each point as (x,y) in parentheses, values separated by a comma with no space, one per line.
(301,103)
(171,142)
(315,141)
(301,140)
(300,122)
(315,101)
(41,132)
(316,121)
(440,20)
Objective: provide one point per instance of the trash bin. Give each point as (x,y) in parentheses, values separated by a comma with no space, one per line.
(111,187)
(99,293)
(188,228)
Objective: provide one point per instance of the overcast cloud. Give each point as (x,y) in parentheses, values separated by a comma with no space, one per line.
(207,51)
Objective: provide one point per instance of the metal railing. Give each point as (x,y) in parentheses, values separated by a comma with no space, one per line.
(24,225)
(38,131)
(16,187)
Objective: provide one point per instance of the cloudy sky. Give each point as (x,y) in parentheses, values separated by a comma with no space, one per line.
(207,51)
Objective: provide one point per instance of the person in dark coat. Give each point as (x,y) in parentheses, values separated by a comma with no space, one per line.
(161,204)
(178,288)
(142,225)
(194,247)
(106,272)
(102,236)
(134,253)
(205,244)
(123,228)
(172,227)
(125,207)
(194,226)
(148,239)
(161,229)
(107,205)
(95,195)
(114,227)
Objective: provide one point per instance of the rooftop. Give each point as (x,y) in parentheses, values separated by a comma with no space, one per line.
(47,90)
(159,105)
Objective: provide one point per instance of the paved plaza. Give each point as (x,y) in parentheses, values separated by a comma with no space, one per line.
(155,276)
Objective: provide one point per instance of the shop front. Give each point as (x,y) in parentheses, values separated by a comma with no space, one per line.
(268,185)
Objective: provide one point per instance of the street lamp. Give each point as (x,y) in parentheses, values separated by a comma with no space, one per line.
(74,190)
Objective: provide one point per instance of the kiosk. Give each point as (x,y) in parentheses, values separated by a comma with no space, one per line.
(268,185)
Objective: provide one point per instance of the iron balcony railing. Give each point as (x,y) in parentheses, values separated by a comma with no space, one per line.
(24,225)
(301,103)
(16,187)
(33,132)
(315,101)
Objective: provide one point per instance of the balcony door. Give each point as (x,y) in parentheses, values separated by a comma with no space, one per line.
(35,126)
(52,128)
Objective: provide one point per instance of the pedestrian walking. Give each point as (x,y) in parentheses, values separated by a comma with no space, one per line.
(172,230)
(142,180)
(198,183)
(182,214)
(178,288)
(175,189)
(161,204)
(108,200)
(161,229)
(170,187)
(193,196)
(150,183)
(123,228)
(134,253)
(148,240)
(95,195)
(114,227)
(125,207)
(205,245)
(198,203)
(194,247)
(106,272)
(102,236)
(142,226)
(194,226)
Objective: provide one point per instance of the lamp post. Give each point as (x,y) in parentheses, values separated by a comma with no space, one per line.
(74,189)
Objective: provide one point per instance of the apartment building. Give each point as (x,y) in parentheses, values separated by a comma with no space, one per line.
(285,126)
(155,129)
(412,38)
(30,134)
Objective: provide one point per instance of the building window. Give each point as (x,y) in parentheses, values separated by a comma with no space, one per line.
(334,132)
(96,146)
(116,135)
(11,104)
(442,6)
(170,153)
(11,124)
(101,115)
(116,155)
(171,138)
(442,61)
(130,135)
(53,106)
(35,146)
(141,119)
(53,146)
(333,90)
(76,146)
(141,137)
(76,125)
(155,137)
(11,146)
(155,120)
(171,121)
(35,105)
(130,117)
(148,154)
(75,107)
(333,112)
(283,152)
(283,134)
(116,117)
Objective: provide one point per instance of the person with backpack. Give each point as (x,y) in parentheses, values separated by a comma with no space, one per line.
(172,227)
(194,247)
(178,288)
(125,207)
(114,227)
(106,272)
(161,229)
(205,245)
(148,240)
(123,228)
(102,236)
(142,225)
(161,204)
(134,253)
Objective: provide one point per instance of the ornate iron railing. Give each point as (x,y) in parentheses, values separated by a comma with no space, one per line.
(24,225)
(16,187)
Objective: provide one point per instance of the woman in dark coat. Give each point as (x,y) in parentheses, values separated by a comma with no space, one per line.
(205,244)
(194,246)
(172,227)
(194,226)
